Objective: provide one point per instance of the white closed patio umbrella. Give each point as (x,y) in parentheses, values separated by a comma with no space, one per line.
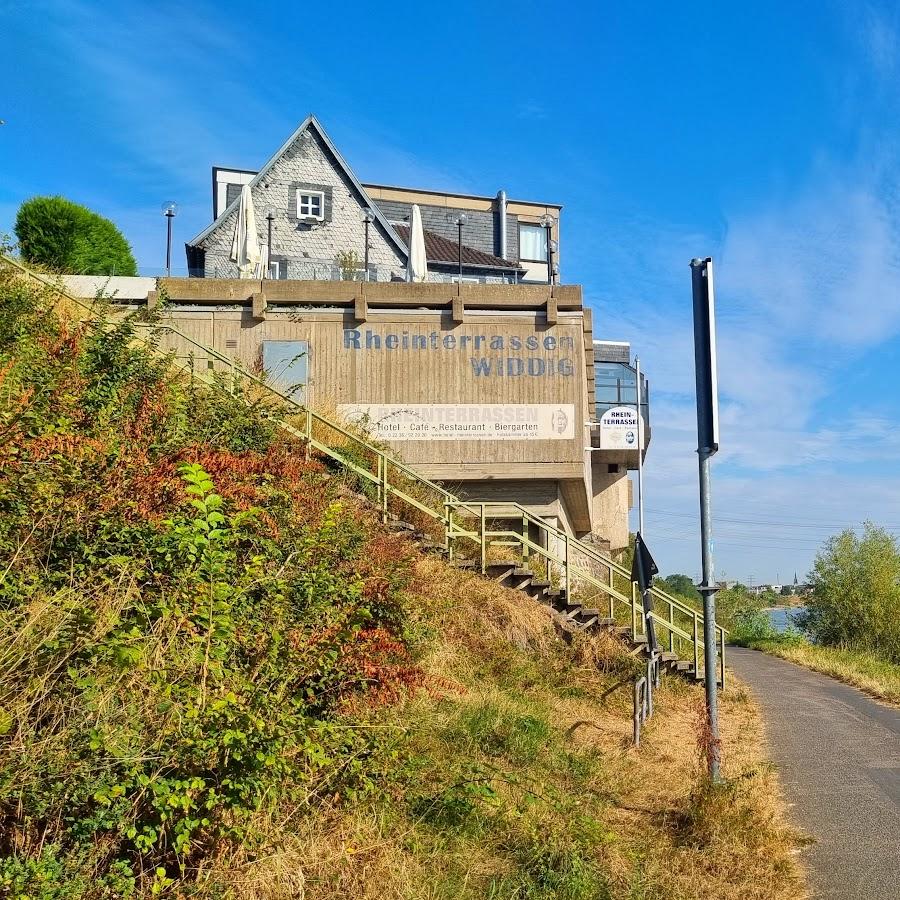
(245,244)
(417,266)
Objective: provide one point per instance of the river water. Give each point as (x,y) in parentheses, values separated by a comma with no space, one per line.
(782,617)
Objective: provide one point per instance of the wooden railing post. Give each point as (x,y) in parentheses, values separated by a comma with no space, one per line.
(384,487)
(671,622)
(448,529)
(696,648)
(566,576)
(721,657)
(483,543)
(379,486)
(612,600)
(524,539)
(309,431)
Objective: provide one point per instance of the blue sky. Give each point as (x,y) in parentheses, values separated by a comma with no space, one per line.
(765,135)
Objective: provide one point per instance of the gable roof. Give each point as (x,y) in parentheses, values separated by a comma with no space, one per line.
(439,249)
(311,122)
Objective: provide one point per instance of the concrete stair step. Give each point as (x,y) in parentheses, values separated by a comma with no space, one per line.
(399,525)
(502,566)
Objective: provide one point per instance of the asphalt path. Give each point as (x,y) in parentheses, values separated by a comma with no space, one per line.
(838,756)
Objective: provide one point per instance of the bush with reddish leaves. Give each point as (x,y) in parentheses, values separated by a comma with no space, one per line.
(189,610)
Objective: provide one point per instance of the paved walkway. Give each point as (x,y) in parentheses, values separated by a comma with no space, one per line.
(838,755)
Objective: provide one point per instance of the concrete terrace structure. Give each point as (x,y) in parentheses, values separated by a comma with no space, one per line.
(485,388)
(491,384)
(318,207)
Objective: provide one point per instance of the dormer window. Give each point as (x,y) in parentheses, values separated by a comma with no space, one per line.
(311,205)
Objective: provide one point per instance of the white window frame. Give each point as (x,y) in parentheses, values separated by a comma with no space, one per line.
(301,193)
(274,269)
(543,242)
(466,279)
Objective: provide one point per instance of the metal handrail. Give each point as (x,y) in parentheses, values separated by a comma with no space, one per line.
(449,503)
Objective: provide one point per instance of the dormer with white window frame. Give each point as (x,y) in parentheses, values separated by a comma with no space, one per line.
(310,204)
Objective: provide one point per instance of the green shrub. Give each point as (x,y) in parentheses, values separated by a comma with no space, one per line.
(187,611)
(855,600)
(67,237)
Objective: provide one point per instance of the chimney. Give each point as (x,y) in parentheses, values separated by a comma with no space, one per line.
(501,215)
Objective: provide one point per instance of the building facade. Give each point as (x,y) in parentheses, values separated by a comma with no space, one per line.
(492,384)
(319,210)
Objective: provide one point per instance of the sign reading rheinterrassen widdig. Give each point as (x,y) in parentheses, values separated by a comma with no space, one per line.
(490,354)
(466,422)
(619,429)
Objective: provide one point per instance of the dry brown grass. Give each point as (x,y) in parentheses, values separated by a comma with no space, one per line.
(665,832)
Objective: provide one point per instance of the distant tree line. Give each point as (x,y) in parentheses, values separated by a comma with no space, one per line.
(853,600)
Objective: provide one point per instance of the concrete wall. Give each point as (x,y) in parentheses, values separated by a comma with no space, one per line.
(611,505)
(310,249)
(353,362)
(119,287)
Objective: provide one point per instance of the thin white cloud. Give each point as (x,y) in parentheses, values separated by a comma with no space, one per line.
(823,265)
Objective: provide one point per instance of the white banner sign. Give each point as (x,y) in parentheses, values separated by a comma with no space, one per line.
(619,429)
(472,422)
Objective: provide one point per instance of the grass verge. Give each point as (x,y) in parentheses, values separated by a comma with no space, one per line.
(863,669)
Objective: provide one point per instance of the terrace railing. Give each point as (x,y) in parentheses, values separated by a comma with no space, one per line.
(459,525)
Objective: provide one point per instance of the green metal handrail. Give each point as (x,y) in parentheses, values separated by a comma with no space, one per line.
(447,504)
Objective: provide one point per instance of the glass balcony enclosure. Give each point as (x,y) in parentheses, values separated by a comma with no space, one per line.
(616,385)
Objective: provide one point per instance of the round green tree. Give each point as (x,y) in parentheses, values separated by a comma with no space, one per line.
(67,237)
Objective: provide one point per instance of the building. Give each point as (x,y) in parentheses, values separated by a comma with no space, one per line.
(492,384)
(615,436)
(322,215)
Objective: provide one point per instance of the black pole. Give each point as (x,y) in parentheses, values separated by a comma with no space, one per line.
(366,254)
(707,445)
(169,216)
(268,274)
(549,255)
(459,226)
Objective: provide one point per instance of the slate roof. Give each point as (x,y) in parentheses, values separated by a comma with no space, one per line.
(439,249)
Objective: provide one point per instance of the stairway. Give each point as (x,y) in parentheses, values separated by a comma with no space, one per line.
(402,493)
(569,616)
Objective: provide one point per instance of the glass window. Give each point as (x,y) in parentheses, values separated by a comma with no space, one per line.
(286,365)
(607,393)
(615,383)
(310,205)
(533,243)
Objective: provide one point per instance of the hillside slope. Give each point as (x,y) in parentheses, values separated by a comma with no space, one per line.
(221,677)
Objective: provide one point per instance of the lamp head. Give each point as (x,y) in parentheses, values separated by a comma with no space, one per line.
(368,215)
(270,213)
(169,208)
(457,218)
(547,220)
